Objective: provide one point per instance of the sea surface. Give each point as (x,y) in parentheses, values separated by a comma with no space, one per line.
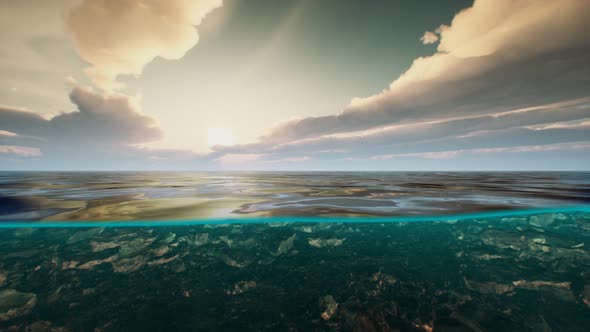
(315,251)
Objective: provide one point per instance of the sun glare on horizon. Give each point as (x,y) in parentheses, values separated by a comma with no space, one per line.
(220,136)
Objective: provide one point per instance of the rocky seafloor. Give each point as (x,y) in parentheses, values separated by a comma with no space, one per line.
(521,273)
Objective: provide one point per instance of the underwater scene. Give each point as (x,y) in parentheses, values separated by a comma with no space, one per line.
(339,251)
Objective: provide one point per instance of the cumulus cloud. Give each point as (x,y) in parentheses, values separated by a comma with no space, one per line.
(122,36)
(101,119)
(495,57)
(521,27)
(507,77)
(501,84)
(429,37)
(105,117)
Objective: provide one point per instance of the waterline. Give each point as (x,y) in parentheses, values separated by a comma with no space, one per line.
(293,219)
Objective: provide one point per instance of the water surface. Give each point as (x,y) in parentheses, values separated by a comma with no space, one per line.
(294,252)
(158,195)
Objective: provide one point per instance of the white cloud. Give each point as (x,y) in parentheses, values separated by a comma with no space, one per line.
(495,57)
(121,37)
(507,77)
(429,37)
(513,149)
(23,151)
(495,127)
(520,27)
(476,99)
(7,133)
(427,155)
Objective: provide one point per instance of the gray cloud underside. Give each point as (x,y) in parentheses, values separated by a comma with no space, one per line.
(492,78)
(510,86)
(374,146)
(405,134)
(100,134)
(106,132)
(515,83)
(100,119)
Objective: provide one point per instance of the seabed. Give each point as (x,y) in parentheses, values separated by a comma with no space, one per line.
(501,271)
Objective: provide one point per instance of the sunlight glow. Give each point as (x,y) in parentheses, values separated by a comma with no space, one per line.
(220,136)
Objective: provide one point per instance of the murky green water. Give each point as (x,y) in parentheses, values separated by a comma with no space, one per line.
(520,272)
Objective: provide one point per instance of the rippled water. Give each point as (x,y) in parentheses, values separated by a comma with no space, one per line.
(154,195)
(288,251)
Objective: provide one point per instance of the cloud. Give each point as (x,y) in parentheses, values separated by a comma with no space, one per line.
(517,149)
(427,155)
(495,85)
(105,117)
(484,65)
(456,129)
(429,38)
(507,77)
(106,132)
(521,27)
(121,37)
(485,94)
(441,145)
(6,133)
(23,151)
(102,119)
(35,55)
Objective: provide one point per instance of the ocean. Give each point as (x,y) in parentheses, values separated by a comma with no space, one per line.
(289,251)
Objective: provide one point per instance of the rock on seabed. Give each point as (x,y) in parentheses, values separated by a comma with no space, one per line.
(14,303)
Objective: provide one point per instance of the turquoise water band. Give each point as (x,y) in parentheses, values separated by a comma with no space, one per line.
(302,219)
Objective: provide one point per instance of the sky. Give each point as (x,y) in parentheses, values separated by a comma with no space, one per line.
(294,85)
